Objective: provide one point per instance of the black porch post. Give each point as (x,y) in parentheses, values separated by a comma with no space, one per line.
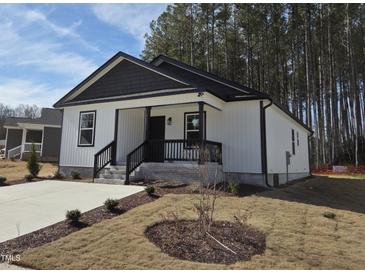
(114,147)
(201,132)
(147,116)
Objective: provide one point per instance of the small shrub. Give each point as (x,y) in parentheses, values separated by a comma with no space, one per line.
(329,215)
(73,215)
(233,187)
(58,175)
(150,190)
(2,180)
(33,164)
(75,175)
(29,177)
(111,204)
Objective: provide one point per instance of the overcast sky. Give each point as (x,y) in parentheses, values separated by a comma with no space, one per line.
(47,49)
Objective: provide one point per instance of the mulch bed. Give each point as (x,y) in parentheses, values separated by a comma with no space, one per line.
(96,215)
(183,240)
(64,228)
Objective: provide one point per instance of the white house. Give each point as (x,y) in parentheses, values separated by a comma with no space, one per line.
(153,120)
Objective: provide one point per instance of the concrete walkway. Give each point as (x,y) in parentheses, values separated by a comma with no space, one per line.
(28,207)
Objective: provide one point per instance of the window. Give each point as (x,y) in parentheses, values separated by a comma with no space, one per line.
(34,136)
(192,126)
(293,141)
(87,128)
(297,138)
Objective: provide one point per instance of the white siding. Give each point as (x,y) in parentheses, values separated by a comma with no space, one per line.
(279,140)
(176,129)
(240,131)
(130,131)
(71,154)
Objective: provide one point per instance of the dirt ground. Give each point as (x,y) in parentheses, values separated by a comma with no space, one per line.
(298,235)
(16,170)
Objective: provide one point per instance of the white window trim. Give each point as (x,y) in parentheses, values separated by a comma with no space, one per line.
(92,128)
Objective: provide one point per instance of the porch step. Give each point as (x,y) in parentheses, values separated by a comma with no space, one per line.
(114,174)
(109,181)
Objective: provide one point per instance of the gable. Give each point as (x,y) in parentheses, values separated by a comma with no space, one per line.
(127,78)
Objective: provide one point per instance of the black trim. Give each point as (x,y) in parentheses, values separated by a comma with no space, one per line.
(205,122)
(116,120)
(147,117)
(263,140)
(94,130)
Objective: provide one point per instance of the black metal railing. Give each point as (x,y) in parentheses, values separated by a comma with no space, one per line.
(173,150)
(135,158)
(104,157)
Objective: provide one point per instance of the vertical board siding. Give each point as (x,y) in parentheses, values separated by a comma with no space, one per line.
(71,154)
(279,140)
(240,130)
(130,132)
(176,129)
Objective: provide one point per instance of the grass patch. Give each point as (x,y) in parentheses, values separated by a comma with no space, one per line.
(298,236)
(16,170)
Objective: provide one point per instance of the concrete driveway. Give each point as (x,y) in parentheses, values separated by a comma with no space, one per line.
(28,207)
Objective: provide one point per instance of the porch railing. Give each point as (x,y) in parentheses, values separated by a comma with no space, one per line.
(173,150)
(135,159)
(105,156)
(14,152)
(28,147)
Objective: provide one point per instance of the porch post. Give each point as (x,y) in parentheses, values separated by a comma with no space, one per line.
(24,136)
(114,147)
(147,116)
(201,132)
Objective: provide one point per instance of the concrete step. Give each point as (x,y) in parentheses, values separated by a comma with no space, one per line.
(112,176)
(109,181)
(117,168)
(111,172)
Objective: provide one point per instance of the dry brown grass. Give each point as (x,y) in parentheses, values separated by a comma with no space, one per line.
(298,235)
(16,170)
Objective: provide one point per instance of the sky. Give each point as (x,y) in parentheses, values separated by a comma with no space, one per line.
(47,49)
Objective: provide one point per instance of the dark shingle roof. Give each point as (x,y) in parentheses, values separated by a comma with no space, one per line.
(49,116)
(217,85)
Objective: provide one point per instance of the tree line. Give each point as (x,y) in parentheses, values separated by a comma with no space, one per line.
(27,111)
(309,57)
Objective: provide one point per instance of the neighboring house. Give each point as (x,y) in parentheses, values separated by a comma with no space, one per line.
(151,119)
(43,132)
(2,143)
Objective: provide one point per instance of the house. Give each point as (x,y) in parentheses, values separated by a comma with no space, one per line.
(154,120)
(43,132)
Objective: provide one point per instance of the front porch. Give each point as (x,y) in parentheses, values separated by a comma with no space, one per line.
(28,136)
(169,134)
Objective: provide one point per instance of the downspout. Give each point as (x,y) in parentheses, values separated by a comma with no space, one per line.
(309,154)
(263,140)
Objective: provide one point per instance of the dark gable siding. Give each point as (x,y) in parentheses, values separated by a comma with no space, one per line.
(127,78)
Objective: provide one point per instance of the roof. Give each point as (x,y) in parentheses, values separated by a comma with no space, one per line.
(225,89)
(49,116)
(99,87)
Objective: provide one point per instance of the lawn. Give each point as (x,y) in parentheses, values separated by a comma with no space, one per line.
(16,170)
(298,236)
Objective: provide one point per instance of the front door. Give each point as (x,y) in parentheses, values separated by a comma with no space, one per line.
(157,137)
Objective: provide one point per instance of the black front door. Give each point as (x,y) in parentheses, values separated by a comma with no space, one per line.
(156,137)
